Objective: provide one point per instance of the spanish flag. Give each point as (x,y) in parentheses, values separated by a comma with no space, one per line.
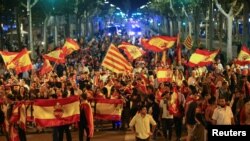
(188,42)
(115,61)
(56,112)
(202,58)
(46,68)
(158,43)
(56,56)
(164,75)
(21,62)
(174,103)
(244,56)
(8,57)
(131,51)
(70,46)
(108,109)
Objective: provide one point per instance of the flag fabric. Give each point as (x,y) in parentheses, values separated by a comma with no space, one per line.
(108,109)
(8,57)
(202,58)
(164,75)
(164,57)
(174,103)
(56,112)
(131,51)
(115,61)
(86,107)
(178,50)
(69,46)
(13,134)
(158,43)
(46,68)
(244,56)
(188,42)
(56,56)
(21,62)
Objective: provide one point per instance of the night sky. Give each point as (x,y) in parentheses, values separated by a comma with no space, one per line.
(131,5)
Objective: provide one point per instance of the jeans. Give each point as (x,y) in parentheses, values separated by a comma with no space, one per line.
(178,126)
(167,126)
(81,131)
(61,130)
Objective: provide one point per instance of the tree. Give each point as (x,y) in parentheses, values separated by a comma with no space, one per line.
(234,11)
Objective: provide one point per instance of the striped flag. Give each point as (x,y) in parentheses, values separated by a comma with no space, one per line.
(8,57)
(131,51)
(56,112)
(164,75)
(202,58)
(70,46)
(108,109)
(158,43)
(46,68)
(56,56)
(21,62)
(244,56)
(188,42)
(115,61)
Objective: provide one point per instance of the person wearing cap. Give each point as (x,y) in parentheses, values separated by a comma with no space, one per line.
(223,114)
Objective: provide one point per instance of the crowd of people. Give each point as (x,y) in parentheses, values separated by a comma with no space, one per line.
(213,95)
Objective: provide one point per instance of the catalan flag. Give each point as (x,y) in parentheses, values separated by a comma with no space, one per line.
(188,42)
(131,51)
(244,56)
(8,57)
(69,46)
(115,61)
(46,68)
(164,75)
(56,112)
(158,43)
(56,56)
(21,62)
(202,57)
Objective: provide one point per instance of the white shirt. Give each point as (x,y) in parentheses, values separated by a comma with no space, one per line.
(223,116)
(165,111)
(142,125)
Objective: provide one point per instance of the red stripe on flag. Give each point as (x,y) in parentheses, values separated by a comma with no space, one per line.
(55,122)
(107,117)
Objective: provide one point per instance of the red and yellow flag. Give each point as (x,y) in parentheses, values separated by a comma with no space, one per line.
(46,68)
(188,42)
(178,50)
(21,62)
(56,112)
(115,61)
(56,56)
(164,75)
(8,57)
(158,43)
(131,51)
(70,46)
(244,56)
(202,58)
(108,109)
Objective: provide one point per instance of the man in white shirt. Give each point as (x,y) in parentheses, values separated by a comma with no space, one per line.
(223,114)
(140,125)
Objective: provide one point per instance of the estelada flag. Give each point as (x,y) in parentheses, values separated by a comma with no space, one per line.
(46,68)
(131,51)
(108,109)
(244,56)
(69,46)
(21,62)
(158,43)
(202,58)
(164,75)
(56,56)
(8,57)
(115,61)
(56,112)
